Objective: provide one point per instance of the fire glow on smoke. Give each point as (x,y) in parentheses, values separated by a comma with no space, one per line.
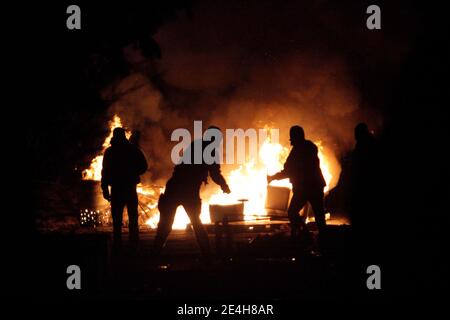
(249,181)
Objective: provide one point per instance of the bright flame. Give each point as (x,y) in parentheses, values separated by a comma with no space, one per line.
(324,167)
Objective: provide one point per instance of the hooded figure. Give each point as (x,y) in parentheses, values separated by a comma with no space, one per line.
(123,163)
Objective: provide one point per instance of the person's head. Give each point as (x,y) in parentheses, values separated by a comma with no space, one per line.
(135,137)
(361,132)
(296,135)
(119,136)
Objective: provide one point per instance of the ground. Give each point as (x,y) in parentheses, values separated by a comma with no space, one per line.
(262,264)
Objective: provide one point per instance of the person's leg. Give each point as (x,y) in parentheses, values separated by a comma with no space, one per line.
(167,208)
(132,209)
(298,201)
(316,200)
(193,209)
(117,205)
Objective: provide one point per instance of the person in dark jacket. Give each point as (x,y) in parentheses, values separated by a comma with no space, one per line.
(183,189)
(302,167)
(363,194)
(364,164)
(123,163)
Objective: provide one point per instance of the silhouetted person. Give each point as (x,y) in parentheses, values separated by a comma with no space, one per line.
(123,163)
(364,153)
(363,184)
(302,167)
(183,189)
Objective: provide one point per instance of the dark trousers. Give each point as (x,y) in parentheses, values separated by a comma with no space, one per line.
(298,201)
(167,206)
(122,196)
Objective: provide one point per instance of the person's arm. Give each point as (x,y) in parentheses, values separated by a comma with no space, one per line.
(217,177)
(283,174)
(278,176)
(106,175)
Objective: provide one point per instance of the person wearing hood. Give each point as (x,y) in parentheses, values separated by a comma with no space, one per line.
(123,163)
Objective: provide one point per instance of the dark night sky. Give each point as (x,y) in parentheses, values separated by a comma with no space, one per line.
(69,69)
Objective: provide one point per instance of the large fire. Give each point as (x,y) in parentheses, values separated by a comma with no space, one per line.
(248,182)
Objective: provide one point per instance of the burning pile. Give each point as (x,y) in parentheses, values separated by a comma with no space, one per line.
(246,182)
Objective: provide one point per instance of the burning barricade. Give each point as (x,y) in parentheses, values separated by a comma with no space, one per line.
(247,182)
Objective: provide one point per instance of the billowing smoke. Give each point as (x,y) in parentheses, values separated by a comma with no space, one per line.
(243,65)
